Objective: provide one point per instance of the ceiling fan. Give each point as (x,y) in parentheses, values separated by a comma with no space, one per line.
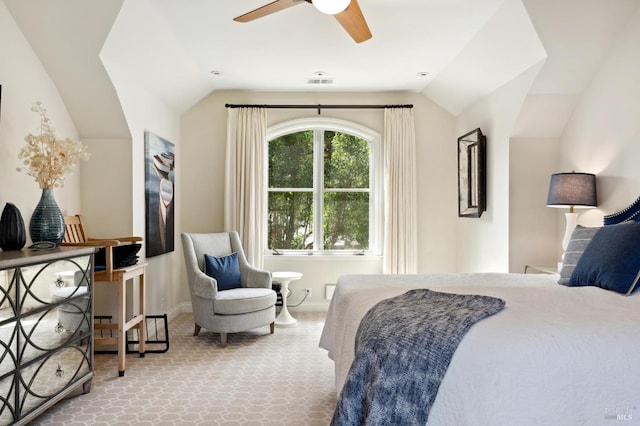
(346,12)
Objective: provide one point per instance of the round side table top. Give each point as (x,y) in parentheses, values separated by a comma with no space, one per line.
(285,275)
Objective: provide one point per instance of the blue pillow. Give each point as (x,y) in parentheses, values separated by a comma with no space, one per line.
(611,260)
(225,270)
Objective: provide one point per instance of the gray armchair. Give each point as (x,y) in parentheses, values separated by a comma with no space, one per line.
(227,311)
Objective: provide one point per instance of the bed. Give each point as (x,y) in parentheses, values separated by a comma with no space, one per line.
(555,355)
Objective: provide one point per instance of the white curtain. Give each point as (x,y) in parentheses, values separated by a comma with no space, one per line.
(400,242)
(245,185)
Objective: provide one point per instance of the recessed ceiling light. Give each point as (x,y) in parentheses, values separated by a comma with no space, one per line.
(216,73)
(423,73)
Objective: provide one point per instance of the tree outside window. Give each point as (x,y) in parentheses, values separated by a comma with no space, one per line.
(319,191)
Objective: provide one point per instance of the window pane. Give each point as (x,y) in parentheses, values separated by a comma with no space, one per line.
(346,161)
(291,161)
(346,221)
(290,220)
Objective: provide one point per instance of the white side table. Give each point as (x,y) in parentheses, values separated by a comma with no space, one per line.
(541,269)
(284,318)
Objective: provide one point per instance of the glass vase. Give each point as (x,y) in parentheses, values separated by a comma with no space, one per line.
(47,222)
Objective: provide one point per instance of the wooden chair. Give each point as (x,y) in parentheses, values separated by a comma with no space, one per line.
(75,235)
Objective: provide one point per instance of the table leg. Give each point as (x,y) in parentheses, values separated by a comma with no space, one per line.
(285,319)
(122,336)
(142,331)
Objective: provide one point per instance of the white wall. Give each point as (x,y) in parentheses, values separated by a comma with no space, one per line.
(25,81)
(603,135)
(203,149)
(483,244)
(532,225)
(105,186)
(124,160)
(108,190)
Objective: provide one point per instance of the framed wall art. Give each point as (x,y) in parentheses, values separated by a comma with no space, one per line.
(159,194)
(472,174)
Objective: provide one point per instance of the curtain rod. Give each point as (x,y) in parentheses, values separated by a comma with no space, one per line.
(319,107)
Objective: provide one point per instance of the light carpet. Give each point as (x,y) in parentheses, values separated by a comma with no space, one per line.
(258,379)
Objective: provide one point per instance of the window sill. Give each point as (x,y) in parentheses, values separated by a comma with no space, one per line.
(339,257)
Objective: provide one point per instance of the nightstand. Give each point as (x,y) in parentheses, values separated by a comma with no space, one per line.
(535,269)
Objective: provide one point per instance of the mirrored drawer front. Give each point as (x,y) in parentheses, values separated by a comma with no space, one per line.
(8,347)
(43,380)
(8,413)
(34,287)
(49,330)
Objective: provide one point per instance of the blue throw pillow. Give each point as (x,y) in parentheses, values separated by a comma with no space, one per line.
(225,270)
(611,260)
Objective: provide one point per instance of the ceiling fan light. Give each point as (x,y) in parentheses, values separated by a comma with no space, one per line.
(331,7)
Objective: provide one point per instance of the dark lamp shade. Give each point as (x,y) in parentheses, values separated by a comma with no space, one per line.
(572,189)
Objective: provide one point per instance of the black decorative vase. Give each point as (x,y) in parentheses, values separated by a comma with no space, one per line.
(13,236)
(47,222)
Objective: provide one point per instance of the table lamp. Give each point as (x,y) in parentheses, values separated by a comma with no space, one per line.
(572,190)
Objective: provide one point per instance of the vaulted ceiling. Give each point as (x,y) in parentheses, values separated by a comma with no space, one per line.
(468,48)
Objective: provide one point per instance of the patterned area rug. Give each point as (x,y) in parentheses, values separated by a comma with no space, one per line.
(258,379)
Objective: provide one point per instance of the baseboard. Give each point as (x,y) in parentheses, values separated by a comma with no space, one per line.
(184,307)
(178,309)
(311,307)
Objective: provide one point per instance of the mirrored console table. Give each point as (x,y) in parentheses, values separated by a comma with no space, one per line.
(46,327)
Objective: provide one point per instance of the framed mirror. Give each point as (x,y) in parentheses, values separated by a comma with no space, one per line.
(471,174)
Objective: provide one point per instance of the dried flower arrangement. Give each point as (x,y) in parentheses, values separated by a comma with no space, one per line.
(46,158)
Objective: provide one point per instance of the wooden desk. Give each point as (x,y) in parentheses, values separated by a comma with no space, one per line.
(121,277)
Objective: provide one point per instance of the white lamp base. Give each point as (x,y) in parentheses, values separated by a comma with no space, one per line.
(572,221)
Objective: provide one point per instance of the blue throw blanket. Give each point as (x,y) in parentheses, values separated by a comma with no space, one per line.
(403,348)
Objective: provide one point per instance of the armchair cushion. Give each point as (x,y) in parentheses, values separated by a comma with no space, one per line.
(243,300)
(224,270)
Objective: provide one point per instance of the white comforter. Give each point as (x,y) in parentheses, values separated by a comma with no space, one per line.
(554,356)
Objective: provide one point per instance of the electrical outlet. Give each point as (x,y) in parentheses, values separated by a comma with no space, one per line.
(308,291)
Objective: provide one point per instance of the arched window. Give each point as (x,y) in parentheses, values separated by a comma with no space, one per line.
(324,188)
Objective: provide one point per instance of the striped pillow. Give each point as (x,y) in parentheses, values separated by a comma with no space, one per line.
(580,239)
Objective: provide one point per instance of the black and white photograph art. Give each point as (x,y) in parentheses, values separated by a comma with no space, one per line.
(159,194)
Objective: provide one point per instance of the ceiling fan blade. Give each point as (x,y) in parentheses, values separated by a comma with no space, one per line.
(352,20)
(267,9)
